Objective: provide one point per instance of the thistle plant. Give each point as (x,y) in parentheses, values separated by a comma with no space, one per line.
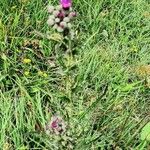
(60,20)
(61,16)
(56,125)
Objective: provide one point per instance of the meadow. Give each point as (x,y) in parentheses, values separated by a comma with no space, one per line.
(98,83)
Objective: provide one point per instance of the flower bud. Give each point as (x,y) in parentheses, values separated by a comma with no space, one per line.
(51,17)
(50,22)
(55,26)
(59,7)
(63,24)
(66,19)
(72,14)
(61,15)
(60,29)
(70,9)
(50,8)
(57,20)
(69,25)
(55,13)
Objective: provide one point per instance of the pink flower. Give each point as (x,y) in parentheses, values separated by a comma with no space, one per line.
(66,3)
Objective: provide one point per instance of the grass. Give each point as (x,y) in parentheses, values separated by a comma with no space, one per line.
(98,91)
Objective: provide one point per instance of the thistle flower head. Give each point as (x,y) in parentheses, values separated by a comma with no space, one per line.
(66,4)
(56,125)
(61,16)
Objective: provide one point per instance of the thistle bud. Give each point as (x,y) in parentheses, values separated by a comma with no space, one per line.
(50,22)
(70,9)
(66,19)
(51,17)
(57,20)
(50,9)
(63,24)
(56,13)
(60,29)
(69,25)
(55,26)
(72,14)
(59,7)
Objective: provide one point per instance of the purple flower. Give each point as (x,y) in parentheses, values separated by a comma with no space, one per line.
(66,3)
(56,125)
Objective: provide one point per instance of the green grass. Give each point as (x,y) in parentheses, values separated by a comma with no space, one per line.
(97,91)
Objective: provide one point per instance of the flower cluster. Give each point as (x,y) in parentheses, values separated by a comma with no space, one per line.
(56,125)
(60,18)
